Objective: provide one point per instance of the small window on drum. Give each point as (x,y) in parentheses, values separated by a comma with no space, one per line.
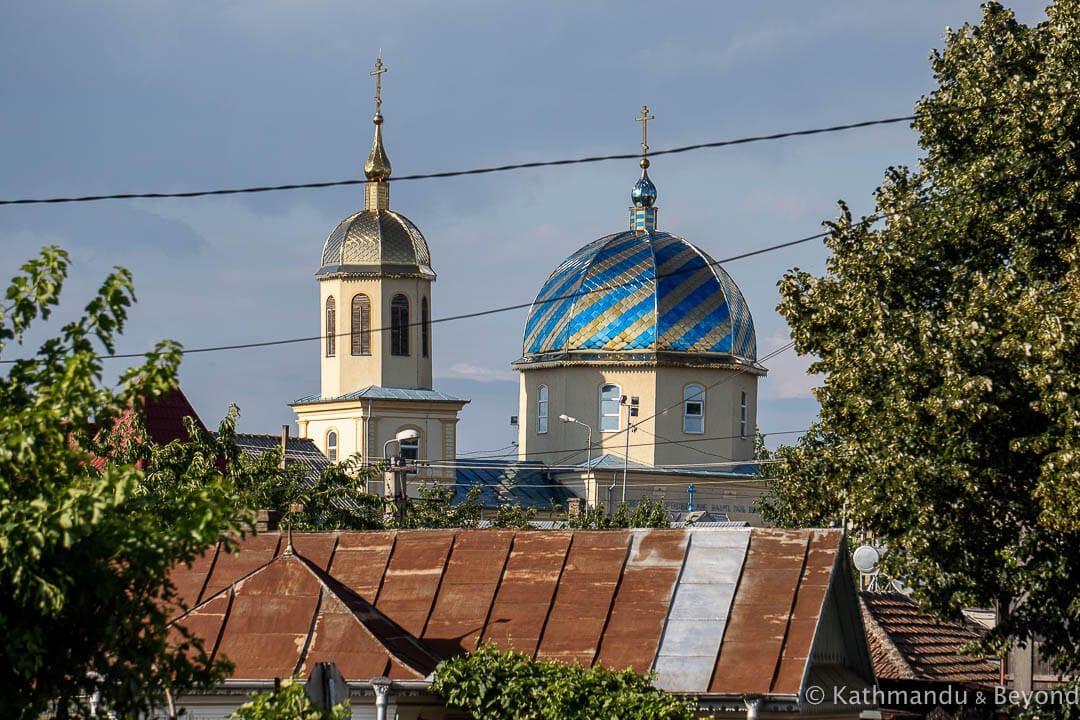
(399,325)
(609,407)
(542,409)
(743,415)
(693,409)
(331,326)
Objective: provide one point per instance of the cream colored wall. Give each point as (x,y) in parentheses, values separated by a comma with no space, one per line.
(732,497)
(722,416)
(364,433)
(575,391)
(344,372)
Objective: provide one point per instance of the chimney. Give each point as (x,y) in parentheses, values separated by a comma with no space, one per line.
(284,444)
(266,521)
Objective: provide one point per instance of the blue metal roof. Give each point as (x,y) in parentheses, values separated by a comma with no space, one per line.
(504,482)
(641,291)
(607,462)
(375,392)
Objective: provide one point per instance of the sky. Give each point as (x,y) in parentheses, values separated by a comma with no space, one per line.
(148,95)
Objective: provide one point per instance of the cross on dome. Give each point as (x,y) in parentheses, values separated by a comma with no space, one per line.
(643,213)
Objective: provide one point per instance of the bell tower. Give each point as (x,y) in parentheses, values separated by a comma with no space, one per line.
(375,305)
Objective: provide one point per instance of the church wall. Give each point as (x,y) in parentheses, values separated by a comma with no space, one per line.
(414,370)
(659,440)
(575,391)
(436,423)
(344,372)
(721,434)
(733,497)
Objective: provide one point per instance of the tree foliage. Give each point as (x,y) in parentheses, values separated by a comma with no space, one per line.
(291,702)
(494,685)
(84,560)
(334,499)
(645,514)
(947,333)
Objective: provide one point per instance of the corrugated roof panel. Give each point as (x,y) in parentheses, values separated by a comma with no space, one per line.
(269,622)
(206,622)
(252,552)
(583,600)
(360,561)
(412,578)
(700,609)
(528,585)
(189,583)
(813,584)
(750,652)
(316,547)
(641,602)
(336,639)
(467,591)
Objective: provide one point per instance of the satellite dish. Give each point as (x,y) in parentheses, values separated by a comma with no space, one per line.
(866,558)
(900,587)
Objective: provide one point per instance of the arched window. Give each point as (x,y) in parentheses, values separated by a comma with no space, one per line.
(399,325)
(609,407)
(331,326)
(425,328)
(742,415)
(410,450)
(542,409)
(693,416)
(331,446)
(361,325)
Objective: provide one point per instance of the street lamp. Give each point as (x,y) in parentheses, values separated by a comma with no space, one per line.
(406,434)
(398,492)
(588,450)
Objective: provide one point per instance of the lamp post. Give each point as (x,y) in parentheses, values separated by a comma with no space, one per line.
(394,487)
(588,453)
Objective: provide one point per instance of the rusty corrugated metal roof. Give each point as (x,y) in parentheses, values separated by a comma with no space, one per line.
(712,611)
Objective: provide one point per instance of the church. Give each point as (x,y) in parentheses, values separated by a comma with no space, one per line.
(638,375)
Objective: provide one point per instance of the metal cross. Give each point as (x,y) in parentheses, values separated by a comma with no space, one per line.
(644,120)
(378,73)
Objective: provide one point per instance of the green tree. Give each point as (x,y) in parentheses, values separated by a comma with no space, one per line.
(291,702)
(435,508)
(84,561)
(947,333)
(334,499)
(515,517)
(645,514)
(494,685)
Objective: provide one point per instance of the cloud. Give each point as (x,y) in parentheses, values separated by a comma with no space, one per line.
(788,378)
(468,371)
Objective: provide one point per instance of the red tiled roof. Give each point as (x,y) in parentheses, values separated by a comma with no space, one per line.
(712,611)
(908,645)
(164,417)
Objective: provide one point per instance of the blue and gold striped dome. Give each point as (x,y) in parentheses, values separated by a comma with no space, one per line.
(640,292)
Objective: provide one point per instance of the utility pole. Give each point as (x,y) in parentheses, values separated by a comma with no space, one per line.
(631,411)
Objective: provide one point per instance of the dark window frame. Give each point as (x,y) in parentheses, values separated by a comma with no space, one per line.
(399,325)
(360,332)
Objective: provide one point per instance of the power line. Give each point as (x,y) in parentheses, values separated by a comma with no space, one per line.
(461,173)
(490,311)
(535,164)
